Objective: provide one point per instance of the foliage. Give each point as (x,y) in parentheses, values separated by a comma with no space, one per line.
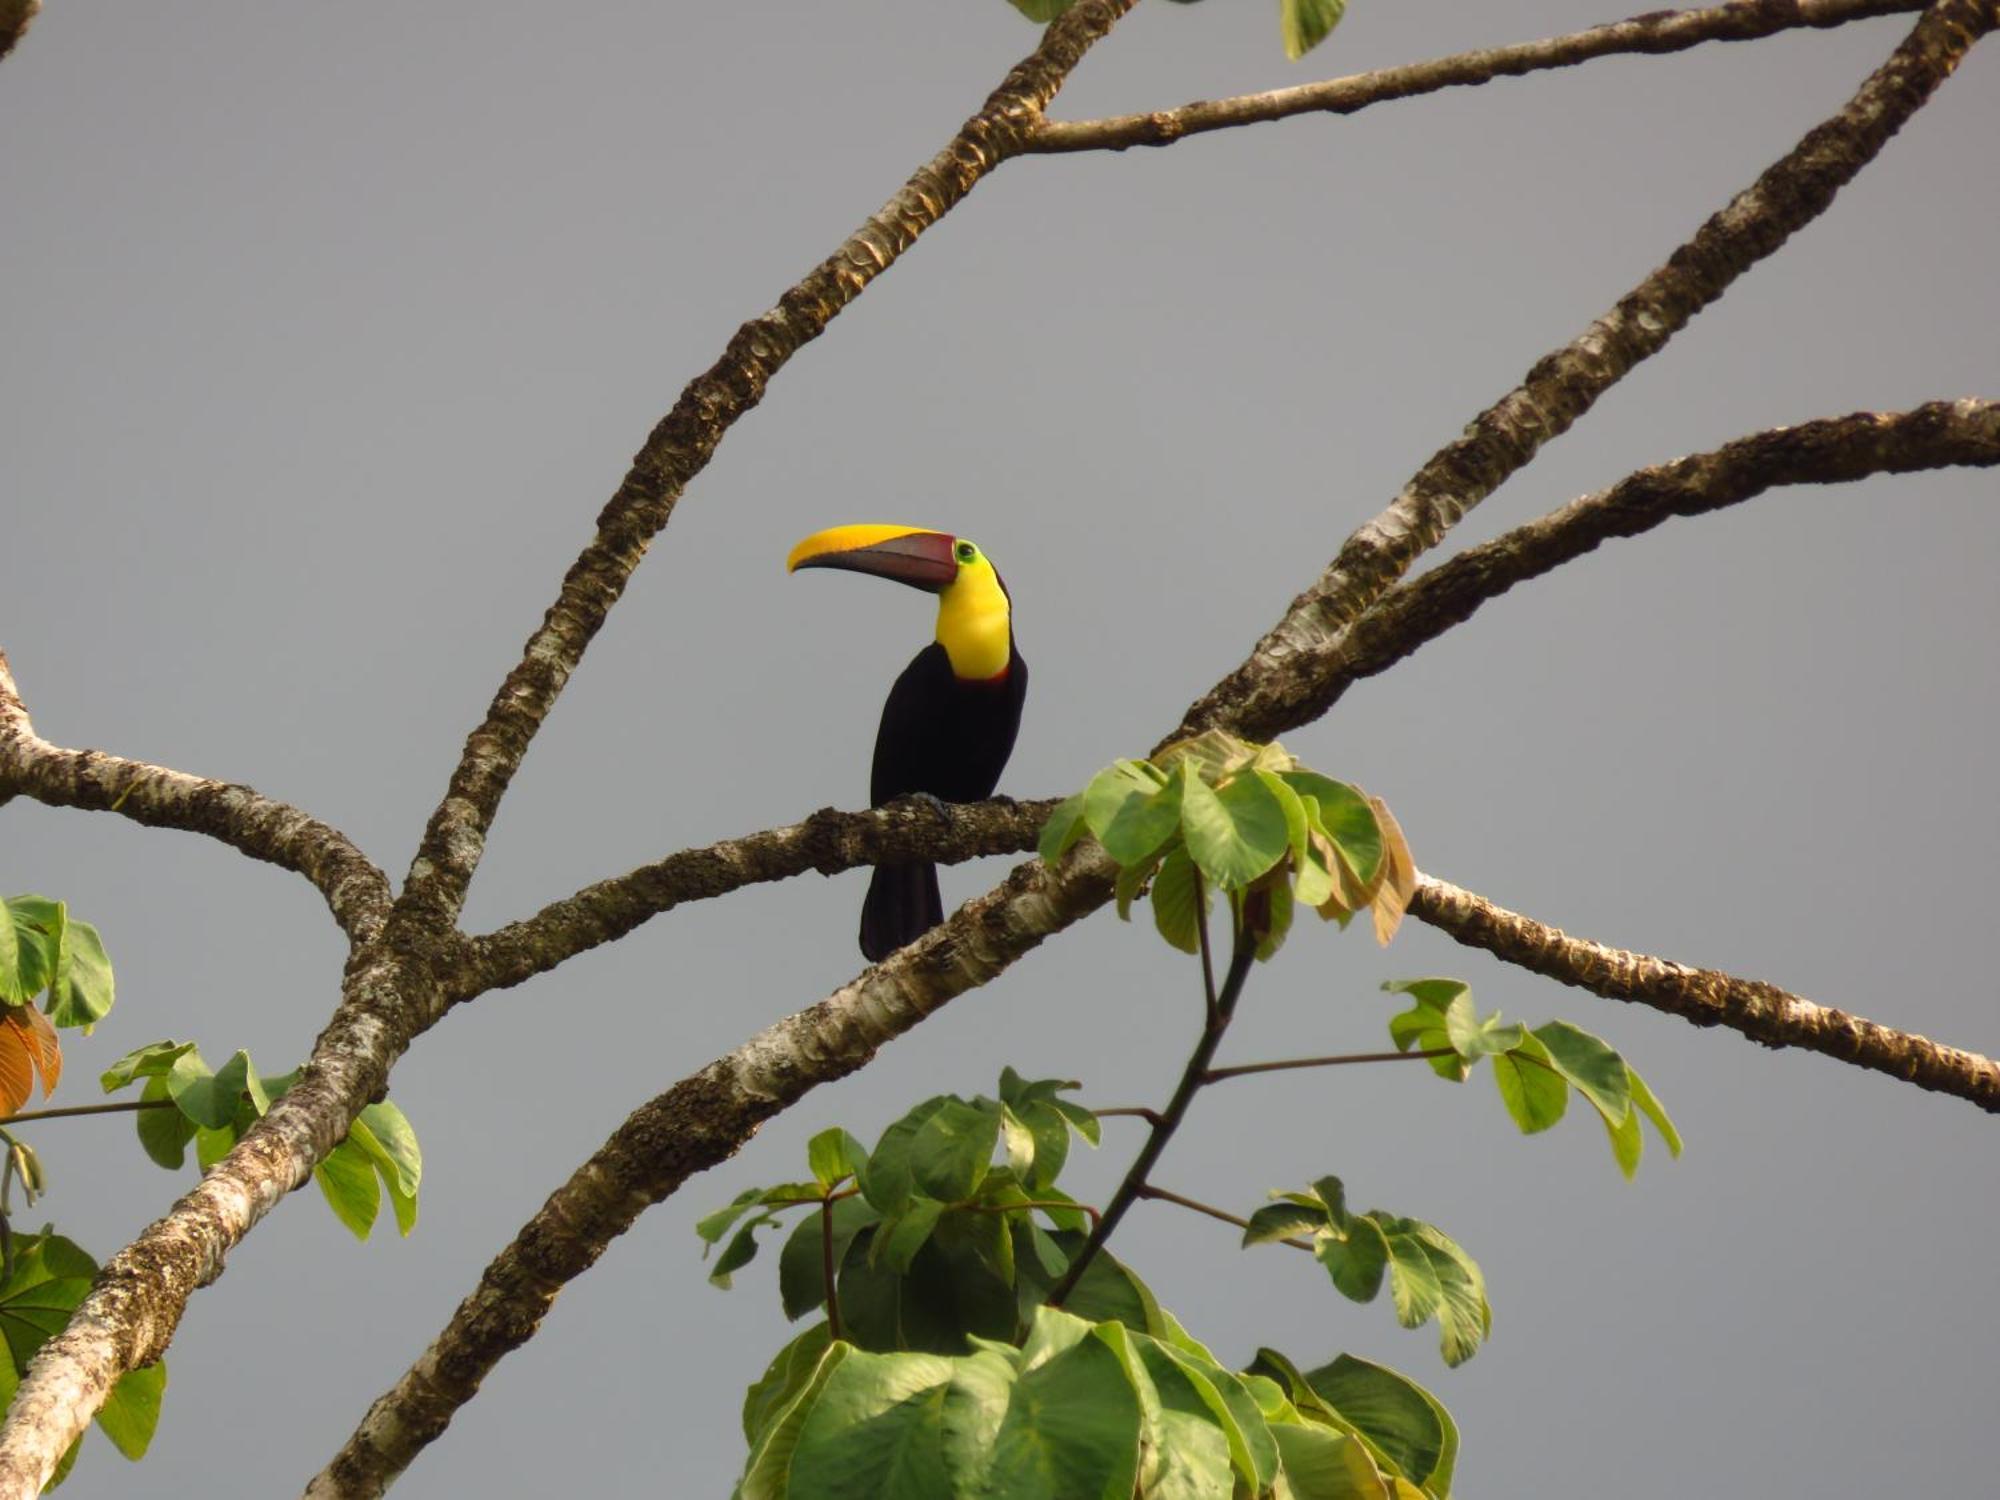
(49,1276)
(1218,813)
(1302,24)
(45,952)
(1534,1070)
(942,1367)
(213,1108)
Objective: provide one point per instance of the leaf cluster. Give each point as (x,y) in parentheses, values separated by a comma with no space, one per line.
(1083,1407)
(1429,1275)
(214,1107)
(1218,813)
(1536,1070)
(929,1237)
(46,953)
(48,1277)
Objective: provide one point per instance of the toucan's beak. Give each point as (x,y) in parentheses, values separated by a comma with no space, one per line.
(908,554)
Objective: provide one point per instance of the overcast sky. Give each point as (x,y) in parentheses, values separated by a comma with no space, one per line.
(325,332)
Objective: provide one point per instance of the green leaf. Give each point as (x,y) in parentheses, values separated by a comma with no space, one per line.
(81,990)
(1413,1282)
(787,1374)
(216,1100)
(1132,810)
(1355,1257)
(1535,1094)
(1049,1132)
(1627,1145)
(1481,1036)
(712,1227)
(777,1439)
(1233,835)
(1322,1464)
(154,1060)
(1277,919)
(1282,1221)
(739,1252)
(1591,1066)
(1304,24)
(1464,1315)
(1132,880)
(1180,901)
(875,1429)
(1398,1418)
(897,1240)
(953,1150)
(1064,827)
(1071,1428)
(131,1413)
(1345,818)
(210,1146)
(885,1177)
(31,930)
(1081,1120)
(389,1139)
(163,1133)
(1427,1026)
(1650,1107)
(831,1156)
(347,1179)
(1041,10)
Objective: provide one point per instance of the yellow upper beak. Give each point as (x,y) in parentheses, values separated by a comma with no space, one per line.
(909,554)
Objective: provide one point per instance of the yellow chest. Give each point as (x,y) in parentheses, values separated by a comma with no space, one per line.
(975,624)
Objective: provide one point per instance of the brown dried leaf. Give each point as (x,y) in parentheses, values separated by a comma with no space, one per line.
(19,1056)
(1398,878)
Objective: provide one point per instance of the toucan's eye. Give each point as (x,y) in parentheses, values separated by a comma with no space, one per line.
(966,552)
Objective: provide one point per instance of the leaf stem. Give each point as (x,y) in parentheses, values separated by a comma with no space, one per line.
(826,1267)
(122,1106)
(1134,1111)
(1149,1191)
(1221,1012)
(1240,1070)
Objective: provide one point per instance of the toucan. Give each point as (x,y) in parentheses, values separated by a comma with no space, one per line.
(950,721)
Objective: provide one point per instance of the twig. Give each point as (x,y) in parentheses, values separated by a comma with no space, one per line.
(1216,1075)
(1657,32)
(1149,1191)
(1221,1011)
(67,1111)
(1706,997)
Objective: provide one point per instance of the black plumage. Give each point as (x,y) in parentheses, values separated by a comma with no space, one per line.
(950,738)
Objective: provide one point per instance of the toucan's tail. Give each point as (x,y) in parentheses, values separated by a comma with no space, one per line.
(903,904)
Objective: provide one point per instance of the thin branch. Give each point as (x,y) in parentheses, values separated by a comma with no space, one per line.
(1706,997)
(1149,1191)
(707,1117)
(1221,1011)
(1244,1070)
(1657,32)
(682,444)
(1937,435)
(354,889)
(1274,689)
(68,1111)
(1131,1111)
(828,842)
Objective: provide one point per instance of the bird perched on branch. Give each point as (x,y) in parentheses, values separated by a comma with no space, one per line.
(950,721)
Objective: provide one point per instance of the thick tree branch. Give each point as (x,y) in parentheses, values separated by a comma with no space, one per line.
(828,841)
(1940,434)
(707,1117)
(1762,1012)
(275,832)
(681,445)
(1273,690)
(1655,32)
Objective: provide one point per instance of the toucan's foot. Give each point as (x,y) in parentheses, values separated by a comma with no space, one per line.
(937,805)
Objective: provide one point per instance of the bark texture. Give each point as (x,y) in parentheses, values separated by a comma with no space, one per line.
(356,891)
(1936,435)
(1707,997)
(1273,689)
(1656,32)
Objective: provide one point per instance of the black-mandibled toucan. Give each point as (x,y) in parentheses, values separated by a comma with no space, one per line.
(950,721)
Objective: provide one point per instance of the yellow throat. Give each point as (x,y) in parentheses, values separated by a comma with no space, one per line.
(974,622)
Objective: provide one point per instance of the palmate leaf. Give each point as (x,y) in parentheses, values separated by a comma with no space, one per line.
(1235,834)
(1304,24)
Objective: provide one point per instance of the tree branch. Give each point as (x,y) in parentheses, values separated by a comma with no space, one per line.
(1160,1194)
(707,1117)
(828,841)
(1937,435)
(1657,32)
(1706,997)
(355,890)
(1273,690)
(681,445)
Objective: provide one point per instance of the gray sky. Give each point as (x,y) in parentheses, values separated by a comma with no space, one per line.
(325,336)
